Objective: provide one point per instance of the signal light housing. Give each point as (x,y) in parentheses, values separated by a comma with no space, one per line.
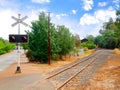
(18,38)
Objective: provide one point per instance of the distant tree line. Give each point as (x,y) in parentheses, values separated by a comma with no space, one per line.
(109,34)
(5,46)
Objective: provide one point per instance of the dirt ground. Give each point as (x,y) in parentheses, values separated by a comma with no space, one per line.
(107,78)
(28,68)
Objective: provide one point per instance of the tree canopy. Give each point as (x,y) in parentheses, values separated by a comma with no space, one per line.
(110,34)
(61,40)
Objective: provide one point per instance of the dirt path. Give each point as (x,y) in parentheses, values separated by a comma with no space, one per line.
(31,73)
(34,68)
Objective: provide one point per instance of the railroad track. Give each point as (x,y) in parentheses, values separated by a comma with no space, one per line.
(69,72)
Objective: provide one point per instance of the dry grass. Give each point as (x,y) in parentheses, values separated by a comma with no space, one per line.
(108,76)
(117,51)
(88,52)
(58,63)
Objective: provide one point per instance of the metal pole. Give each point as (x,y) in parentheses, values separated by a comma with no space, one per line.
(18,70)
(49,38)
(19,24)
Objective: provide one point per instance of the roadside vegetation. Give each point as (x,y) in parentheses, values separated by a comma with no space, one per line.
(5,46)
(109,34)
(63,42)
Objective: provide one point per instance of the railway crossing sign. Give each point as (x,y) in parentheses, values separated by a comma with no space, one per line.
(19,20)
(18,38)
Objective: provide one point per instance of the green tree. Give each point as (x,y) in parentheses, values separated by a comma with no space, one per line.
(54,43)
(110,41)
(38,39)
(77,40)
(65,39)
(61,40)
(110,34)
(90,38)
(117,29)
(99,41)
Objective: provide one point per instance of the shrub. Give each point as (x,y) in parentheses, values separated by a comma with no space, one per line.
(88,44)
(30,56)
(55,57)
(85,49)
(5,46)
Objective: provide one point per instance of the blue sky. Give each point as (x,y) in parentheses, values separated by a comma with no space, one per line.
(82,17)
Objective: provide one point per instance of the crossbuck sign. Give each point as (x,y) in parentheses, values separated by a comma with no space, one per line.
(19,21)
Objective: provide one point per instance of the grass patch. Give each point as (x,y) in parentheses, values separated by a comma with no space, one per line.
(117,51)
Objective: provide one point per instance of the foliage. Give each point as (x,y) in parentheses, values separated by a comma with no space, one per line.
(90,38)
(61,40)
(77,40)
(65,39)
(55,56)
(88,44)
(30,56)
(110,34)
(25,46)
(5,46)
(38,39)
(107,40)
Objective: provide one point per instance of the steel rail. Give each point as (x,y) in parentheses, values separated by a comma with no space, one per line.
(70,67)
(73,76)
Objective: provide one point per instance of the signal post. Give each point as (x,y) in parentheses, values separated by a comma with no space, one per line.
(18,38)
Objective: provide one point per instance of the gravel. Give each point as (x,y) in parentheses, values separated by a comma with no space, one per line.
(70,64)
(82,77)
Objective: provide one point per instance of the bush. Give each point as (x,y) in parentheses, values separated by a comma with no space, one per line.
(9,47)
(85,49)
(2,52)
(30,56)
(5,46)
(55,57)
(88,44)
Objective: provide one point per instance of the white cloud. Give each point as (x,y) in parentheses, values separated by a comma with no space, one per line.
(90,24)
(88,4)
(64,14)
(116,1)
(58,16)
(9,4)
(104,15)
(98,17)
(117,4)
(41,1)
(88,19)
(5,22)
(69,23)
(102,4)
(74,11)
(75,28)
